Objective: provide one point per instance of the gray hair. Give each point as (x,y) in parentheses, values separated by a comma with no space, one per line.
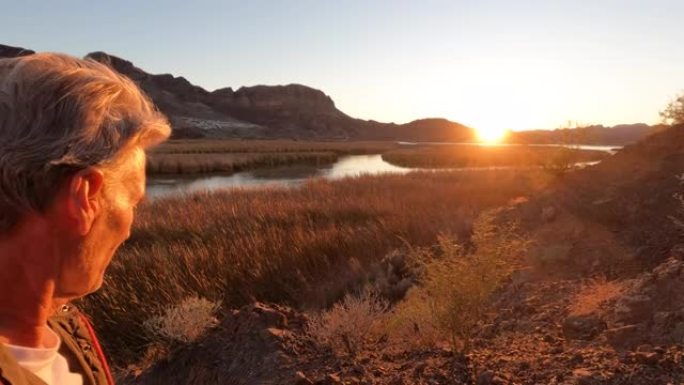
(58,115)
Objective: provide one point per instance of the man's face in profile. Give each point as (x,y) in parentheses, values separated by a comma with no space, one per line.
(82,268)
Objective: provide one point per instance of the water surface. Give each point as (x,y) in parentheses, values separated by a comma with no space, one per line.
(294,175)
(291,175)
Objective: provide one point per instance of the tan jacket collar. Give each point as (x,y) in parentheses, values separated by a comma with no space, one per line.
(14,374)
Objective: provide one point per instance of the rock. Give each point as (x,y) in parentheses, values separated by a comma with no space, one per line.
(488,331)
(626,337)
(548,338)
(9,51)
(485,378)
(577,358)
(549,213)
(301,379)
(670,269)
(583,327)
(489,378)
(632,309)
(419,369)
(268,315)
(677,251)
(332,379)
(646,358)
(583,376)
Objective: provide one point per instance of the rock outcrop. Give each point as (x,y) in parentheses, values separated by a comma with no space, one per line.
(651,310)
(9,51)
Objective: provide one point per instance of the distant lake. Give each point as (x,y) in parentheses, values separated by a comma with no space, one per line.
(609,149)
(293,175)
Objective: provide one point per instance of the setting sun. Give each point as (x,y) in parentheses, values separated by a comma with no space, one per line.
(491,135)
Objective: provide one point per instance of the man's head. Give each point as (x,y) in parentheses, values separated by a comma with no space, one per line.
(72,139)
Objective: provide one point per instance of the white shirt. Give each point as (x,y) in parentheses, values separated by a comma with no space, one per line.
(46,362)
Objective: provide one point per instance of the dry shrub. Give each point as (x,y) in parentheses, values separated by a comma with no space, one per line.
(458,285)
(411,322)
(185,322)
(594,293)
(350,324)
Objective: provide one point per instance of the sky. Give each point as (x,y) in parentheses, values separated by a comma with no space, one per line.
(499,64)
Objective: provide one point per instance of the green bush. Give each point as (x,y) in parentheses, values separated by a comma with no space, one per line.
(458,286)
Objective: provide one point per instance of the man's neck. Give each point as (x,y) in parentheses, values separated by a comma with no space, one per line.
(26,291)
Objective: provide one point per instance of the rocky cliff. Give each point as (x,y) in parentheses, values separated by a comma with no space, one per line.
(286,111)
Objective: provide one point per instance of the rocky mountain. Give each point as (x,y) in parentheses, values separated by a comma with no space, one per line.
(289,111)
(301,112)
(9,51)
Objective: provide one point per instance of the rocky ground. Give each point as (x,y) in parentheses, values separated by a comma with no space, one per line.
(536,337)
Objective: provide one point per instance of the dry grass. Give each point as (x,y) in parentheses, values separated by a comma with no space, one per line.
(483,156)
(185,163)
(203,146)
(305,247)
(228,156)
(594,293)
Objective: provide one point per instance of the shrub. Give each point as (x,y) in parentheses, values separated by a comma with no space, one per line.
(674,111)
(458,286)
(185,322)
(593,293)
(349,324)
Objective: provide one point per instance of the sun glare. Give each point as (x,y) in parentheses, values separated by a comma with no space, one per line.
(491,135)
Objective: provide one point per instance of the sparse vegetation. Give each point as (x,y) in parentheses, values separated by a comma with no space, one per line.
(593,293)
(186,321)
(458,285)
(458,156)
(350,323)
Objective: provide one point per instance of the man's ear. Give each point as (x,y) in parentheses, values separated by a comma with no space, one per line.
(84,198)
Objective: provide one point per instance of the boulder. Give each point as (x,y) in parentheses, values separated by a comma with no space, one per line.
(583,327)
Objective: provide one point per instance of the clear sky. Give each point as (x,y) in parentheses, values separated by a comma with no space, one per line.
(516,64)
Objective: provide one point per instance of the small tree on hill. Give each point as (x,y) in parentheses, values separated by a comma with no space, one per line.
(674,111)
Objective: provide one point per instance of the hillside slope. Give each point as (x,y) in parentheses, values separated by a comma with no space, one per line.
(618,214)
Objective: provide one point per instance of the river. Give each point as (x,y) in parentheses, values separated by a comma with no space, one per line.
(293,175)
